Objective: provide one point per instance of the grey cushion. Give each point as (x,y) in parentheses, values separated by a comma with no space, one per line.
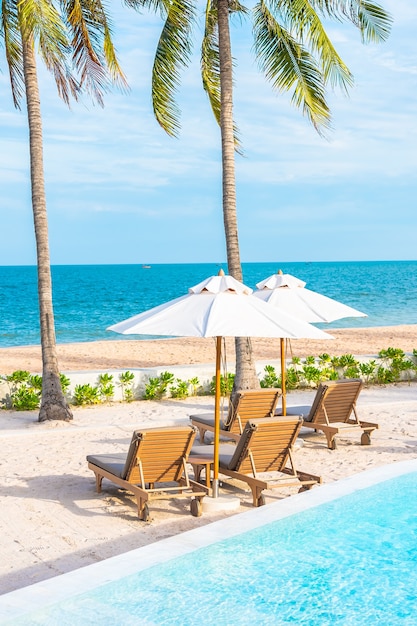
(207,451)
(303,410)
(112,463)
(208,419)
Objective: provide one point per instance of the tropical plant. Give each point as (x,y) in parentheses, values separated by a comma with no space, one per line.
(106,386)
(180,389)
(126,381)
(157,386)
(86,394)
(367,370)
(270,378)
(397,363)
(295,54)
(24,391)
(226,384)
(194,383)
(64,33)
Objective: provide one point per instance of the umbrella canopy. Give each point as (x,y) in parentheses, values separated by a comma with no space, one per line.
(289,294)
(219,306)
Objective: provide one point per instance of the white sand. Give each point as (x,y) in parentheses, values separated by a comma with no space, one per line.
(51,519)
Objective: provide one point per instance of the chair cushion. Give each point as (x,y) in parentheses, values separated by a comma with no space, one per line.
(303,410)
(207,451)
(112,463)
(208,419)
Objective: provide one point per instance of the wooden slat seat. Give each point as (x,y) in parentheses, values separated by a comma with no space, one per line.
(334,411)
(265,446)
(153,467)
(247,405)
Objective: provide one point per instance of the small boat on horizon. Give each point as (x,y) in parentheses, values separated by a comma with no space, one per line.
(146,267)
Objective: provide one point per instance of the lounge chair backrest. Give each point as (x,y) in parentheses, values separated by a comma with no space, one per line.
(265,444)
(160,453)
(251,404)
(336,400)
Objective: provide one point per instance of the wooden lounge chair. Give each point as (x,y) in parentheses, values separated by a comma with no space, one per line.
(248,404)
(264,446)
(332,409)
(156,456)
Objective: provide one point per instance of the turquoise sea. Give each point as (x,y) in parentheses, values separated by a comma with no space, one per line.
(88,298)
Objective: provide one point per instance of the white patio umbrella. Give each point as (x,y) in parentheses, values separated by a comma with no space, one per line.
(289,294)
(219,306)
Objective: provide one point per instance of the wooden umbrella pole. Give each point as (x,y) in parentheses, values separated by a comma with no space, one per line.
(217,419)
(283,373)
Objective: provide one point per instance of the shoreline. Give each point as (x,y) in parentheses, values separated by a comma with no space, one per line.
(116,354)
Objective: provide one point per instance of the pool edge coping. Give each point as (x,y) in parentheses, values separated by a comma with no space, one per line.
(20,602)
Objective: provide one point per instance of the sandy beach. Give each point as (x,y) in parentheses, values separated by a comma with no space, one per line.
(52,520)
(121,354)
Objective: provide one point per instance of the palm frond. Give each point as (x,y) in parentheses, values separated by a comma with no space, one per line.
(10,33)
(157,6)
(374,22)
(369,17)
(302,21)
(93,54)
(40,22)
(210,61)
(288,65)
(172,54)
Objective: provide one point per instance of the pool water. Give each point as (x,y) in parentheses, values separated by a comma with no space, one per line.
(350,561)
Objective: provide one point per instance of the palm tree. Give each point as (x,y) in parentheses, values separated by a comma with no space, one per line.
(295,54)
(25,23)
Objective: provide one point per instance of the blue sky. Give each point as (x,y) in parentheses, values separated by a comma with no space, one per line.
(119,190)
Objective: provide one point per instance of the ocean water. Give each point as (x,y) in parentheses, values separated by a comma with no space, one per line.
(349,562)
(89,298)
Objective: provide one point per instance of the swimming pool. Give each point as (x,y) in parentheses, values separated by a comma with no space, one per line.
(344,553)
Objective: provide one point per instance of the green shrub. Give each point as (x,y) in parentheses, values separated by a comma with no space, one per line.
(106,387)
(126,380)
(195,385)
(180,389)
(25,391)
(226,384)
(86,394)
(157,387)
(270,379)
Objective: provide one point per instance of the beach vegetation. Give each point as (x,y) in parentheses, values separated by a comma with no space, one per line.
(126,382)
(395,366)
(367,371)
(166,384)
(296,55)
(106,387)
(226,384)
(270,379)
(157,386)
(76,47)
(86,394)
(24,391)
(195,385)
(65,383)
(180,389)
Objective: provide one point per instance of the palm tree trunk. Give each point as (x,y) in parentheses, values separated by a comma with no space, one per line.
(53,404)
(246,377)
